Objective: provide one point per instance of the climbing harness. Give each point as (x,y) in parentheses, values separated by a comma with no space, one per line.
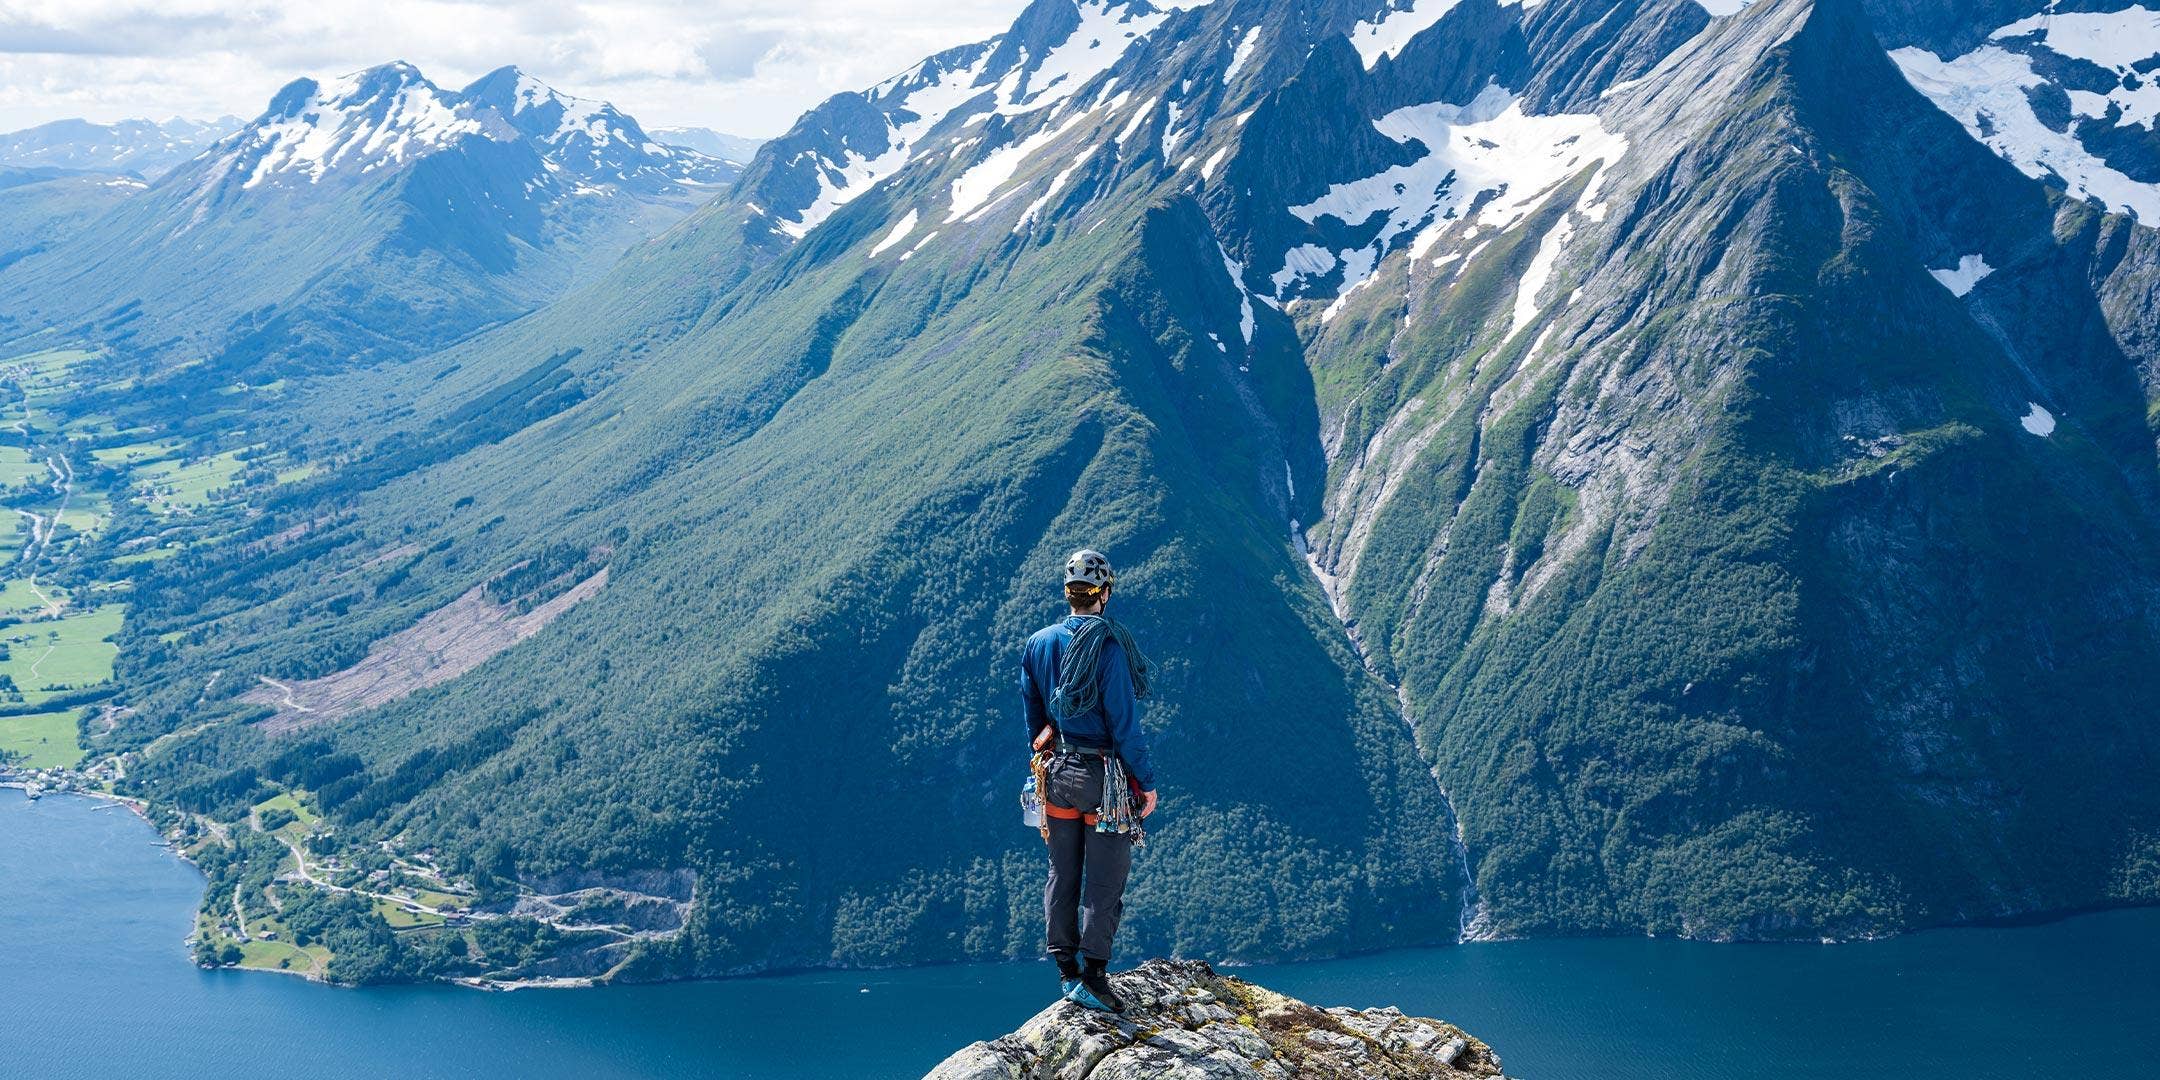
(1120,810)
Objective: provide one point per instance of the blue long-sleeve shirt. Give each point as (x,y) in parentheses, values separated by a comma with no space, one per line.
(1114,722)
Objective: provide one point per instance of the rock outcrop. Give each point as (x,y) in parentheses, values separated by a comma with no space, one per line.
(1185,1022)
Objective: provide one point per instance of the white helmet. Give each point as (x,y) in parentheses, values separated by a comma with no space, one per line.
(1089,567)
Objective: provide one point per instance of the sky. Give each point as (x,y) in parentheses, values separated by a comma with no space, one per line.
(746,67)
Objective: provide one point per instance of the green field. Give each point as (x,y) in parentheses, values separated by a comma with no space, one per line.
(17,465)
(170,486)
(146,555)
(47,370)
(74,651)
(95,425)
(282,956)
(18,600)
(87,513)
(435,899)
(404,918)
(134,452)
(46,740)
(303,818)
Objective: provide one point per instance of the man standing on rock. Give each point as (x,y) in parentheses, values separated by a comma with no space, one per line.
(1081,679)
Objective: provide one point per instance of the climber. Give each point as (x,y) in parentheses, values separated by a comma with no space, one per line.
(1080,679)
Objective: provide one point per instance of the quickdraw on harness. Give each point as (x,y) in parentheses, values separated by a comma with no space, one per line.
(1120,811)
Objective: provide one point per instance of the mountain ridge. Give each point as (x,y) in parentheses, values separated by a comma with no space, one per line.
(1579,510)
(349,200)
(144,148)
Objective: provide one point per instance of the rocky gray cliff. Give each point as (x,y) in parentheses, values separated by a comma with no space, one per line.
(1183,1020)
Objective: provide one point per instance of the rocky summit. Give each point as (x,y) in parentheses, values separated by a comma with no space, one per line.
(1182,1020)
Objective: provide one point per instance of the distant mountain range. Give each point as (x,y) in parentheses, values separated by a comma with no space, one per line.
(712,143)
(371,217)
(1583,466)
(145,148)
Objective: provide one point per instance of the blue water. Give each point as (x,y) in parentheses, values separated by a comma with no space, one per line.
(94,982)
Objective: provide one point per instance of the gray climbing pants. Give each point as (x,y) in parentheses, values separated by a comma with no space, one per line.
(1086,891)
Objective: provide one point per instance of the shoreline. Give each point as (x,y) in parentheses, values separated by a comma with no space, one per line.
(2004,922)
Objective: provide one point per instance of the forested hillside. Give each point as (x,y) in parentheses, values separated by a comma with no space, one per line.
(1584,466)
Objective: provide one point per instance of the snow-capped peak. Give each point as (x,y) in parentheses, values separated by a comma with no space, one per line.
(1053,50)
(592,139)
(387,116)
(377,118)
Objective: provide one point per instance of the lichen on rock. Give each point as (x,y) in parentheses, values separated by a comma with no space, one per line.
(1185,1022)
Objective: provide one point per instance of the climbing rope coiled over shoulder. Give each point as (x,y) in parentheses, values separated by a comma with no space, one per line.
(1079,688)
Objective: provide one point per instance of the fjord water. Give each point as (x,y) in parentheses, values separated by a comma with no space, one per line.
(94,982)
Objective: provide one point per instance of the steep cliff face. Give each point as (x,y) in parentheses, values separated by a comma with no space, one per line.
(1699,517)
(1185,1022)
(1661,469)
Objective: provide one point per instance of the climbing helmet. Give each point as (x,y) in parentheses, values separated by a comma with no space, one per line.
(1089,567)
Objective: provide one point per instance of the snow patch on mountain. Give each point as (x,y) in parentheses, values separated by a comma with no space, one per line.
(899,232)
(1386,33)
(578,114)
(1106,30)
(974,188)
(1246,323)
(924,95)
(362,119)
(1488,149)
(1242,53)
(1985,90)
(2117,40)
(2038,420)
(1538,274)
(1961,278)
(1140,116)
(1057,183)
(148,147)
(1303,261)
(923,98)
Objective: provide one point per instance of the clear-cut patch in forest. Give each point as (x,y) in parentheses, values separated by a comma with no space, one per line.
(444,644)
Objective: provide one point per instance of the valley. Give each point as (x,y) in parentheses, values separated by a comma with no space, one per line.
(159,488)
(1591,467)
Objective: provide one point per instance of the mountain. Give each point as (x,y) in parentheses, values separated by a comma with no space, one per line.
(1185,1022)
(2063,95)
(711,143)
(593,139)
(368,218)
(1584,466)
(41,206)
(143,148)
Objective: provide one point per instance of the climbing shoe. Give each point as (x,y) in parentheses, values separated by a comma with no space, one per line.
(1094,989)
(1068,974)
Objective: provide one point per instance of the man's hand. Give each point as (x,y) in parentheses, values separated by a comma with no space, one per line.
(1042,738)
(1147,803)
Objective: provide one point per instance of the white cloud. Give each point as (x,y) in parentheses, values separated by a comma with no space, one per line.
(743,66)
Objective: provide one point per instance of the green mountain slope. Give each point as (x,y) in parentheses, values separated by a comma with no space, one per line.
(1544,417)
(370,218)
